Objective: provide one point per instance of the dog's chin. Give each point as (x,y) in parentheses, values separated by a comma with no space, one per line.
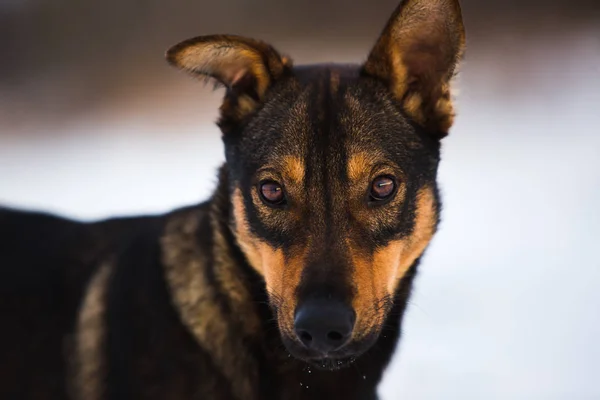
(333,361)
(331,364)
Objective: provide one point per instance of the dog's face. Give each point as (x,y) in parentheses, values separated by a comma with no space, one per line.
(332,171)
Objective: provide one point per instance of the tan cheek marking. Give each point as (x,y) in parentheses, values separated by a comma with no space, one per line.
(265,259)
(282,276)
(386,263)
(273,268)
(399,255)
(378,277)
(244,237)
(365,297)
(287,283)
(293,169)
(425,225)
(372,278)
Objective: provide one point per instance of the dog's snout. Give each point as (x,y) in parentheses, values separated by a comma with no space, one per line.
(324,326)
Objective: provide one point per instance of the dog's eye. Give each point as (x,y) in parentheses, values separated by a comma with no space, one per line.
(272,193)
(382,188)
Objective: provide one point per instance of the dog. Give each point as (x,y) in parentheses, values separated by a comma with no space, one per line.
(291,281)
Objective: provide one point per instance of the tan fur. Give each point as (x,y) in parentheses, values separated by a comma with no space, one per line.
(239,107)
(232,283)
(229,64)
(229,60)
(359,164)
(365,298)
(417,54)
(249,245)
(361,171)
(283,280)
(378,276)
(293,169)
(425,225)
(88,360)
(184,265)
(334,82)
(281,271)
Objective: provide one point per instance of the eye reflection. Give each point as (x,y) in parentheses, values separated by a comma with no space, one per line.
(272,193)
(382,188)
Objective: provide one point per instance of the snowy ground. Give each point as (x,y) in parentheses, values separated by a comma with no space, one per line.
(507,305)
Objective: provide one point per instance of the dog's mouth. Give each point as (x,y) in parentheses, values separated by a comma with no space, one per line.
(331,364)
(331,361)
(326,342)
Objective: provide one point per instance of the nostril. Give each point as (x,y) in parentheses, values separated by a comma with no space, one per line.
(323,326)
(335,336)
(305,337)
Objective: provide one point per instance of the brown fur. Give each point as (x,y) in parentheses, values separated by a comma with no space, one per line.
(281,272)
(377,276)
(243,65)
(193,296)
(88,360)
(239,297)
(293,169)
(417,54)
(334,82)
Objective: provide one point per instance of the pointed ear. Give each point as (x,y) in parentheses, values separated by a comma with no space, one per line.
(416,56)
(246,67)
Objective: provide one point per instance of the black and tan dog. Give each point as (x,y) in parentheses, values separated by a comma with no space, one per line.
(291,281)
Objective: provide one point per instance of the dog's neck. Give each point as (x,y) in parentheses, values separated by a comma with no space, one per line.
(223,301)
(210,295)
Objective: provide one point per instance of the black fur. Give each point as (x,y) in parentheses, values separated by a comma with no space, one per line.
(200,303)
(151,355)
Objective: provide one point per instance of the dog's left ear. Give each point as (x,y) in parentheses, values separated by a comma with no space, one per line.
(416,56)
(246,67)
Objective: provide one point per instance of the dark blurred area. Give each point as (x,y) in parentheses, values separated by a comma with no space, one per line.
(65,57)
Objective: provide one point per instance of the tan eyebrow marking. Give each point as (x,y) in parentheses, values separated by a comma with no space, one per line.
(358,166)
(293,168)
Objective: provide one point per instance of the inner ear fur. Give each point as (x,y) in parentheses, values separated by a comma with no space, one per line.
(245,67)
(416,57)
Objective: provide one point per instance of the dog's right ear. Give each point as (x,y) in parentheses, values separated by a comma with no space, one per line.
(246,67)
(416,57)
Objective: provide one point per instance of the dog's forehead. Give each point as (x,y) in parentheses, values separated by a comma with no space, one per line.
(327,110)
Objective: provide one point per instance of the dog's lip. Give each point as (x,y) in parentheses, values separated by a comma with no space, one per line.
(336,359)
(331,363)
(340,354)
(317,357)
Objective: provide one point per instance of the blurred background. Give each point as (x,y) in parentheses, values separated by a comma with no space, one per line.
(93,123)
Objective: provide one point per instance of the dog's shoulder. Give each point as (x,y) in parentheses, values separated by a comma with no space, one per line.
(93,282)
(131,327)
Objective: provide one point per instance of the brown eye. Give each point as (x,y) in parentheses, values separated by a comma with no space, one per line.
(382,188)
(272,193)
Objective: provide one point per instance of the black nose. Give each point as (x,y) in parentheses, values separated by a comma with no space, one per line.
(324,325)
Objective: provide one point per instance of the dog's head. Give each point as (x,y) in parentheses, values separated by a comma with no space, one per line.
(332,170)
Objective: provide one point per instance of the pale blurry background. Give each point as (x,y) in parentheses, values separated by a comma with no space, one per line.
(93,124)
